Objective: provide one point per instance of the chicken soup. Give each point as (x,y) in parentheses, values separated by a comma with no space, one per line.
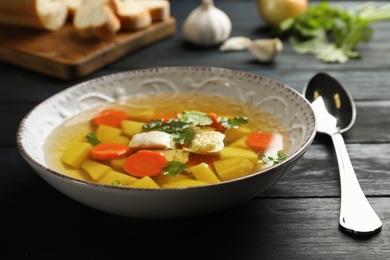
(156,141)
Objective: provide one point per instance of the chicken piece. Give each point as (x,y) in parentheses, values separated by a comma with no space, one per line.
(207,142)
(152,140)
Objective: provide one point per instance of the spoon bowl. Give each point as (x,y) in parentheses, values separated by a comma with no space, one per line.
(338,101)
(335,113)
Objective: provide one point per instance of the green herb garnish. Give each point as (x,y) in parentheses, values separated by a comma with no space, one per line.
(332,33)
(116,182)
(154,124)
(92,139)
(233,123)
(180,129)
(174,126)
(195,118)
(173,168)
(272,160)
(183,137)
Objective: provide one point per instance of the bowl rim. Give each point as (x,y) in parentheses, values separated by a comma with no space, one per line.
(290,159)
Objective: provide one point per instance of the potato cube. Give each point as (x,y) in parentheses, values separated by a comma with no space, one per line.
(241,142)
(143,115)
(145,182)
(94,169)
(184,183)
(76,153)
(111,176)
(232,152)
(121,140)
(163,179)
(232,134)
(131,128)
(202,172)
(118,164)
(106,133)
(233,168)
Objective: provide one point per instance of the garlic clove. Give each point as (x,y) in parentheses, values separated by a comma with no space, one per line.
(236,44)
(265,50)
(207,25)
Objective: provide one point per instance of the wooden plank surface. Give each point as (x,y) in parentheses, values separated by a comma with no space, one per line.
(295,219)
(64,54)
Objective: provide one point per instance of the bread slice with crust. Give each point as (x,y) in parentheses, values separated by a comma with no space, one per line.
(95,19)
(42,14)
(160,10)
(132,14)
(72,6)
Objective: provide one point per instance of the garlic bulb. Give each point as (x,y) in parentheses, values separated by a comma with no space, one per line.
(207,25)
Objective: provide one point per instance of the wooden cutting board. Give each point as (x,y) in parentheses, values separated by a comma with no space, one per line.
(63,54)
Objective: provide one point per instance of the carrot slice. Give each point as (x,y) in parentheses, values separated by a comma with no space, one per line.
(108,151)
(195,159)
(259,141)
(145,163)
(164,118)
(216,124)
(110,117)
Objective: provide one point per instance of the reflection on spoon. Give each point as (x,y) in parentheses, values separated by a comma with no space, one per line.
(335,112)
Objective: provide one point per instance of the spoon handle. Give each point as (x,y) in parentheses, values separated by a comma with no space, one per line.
(356,213)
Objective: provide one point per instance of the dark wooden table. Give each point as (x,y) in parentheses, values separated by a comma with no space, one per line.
(295,219)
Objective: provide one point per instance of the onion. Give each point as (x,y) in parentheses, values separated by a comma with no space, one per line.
(274,12)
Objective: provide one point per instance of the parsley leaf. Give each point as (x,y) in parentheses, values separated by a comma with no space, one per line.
(154,124)
(273,161)
(180,132)
(233,123)
(116,182)
(173,168)
(183,137)
(195,117)
(332,33)
(181,129)
(174,126)
(92,139)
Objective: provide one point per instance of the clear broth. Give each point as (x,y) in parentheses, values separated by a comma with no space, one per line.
(77,127)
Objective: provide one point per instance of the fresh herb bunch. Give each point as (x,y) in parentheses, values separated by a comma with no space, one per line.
(332,33)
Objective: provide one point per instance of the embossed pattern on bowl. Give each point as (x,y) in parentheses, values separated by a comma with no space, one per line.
(281,101)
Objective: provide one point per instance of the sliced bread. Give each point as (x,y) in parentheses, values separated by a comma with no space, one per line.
(72,6)
(42,14)
(132,15)
(160,10)
(95,19)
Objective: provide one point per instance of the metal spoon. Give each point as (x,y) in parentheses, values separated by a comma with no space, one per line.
(335,112)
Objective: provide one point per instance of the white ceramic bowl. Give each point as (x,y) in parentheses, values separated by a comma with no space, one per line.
(278,99)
